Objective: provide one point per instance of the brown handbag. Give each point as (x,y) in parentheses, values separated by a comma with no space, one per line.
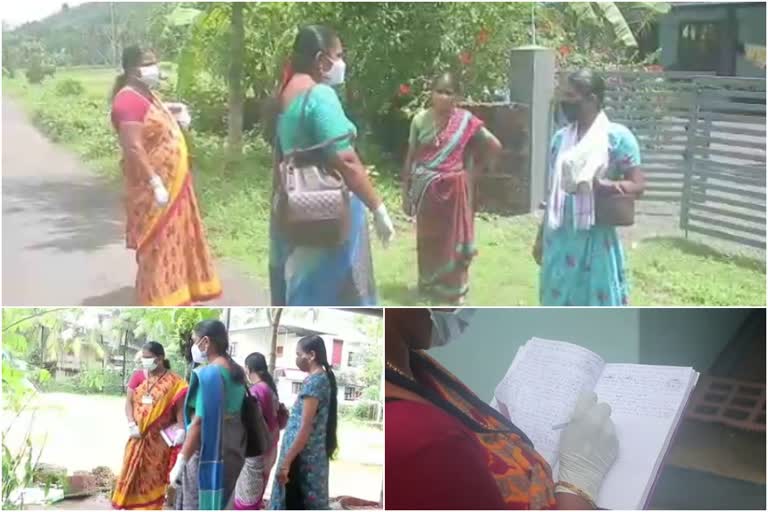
(614,209)
(312,201)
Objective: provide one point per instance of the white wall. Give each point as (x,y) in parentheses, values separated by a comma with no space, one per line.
(260,340)
(686,337)
(482,356)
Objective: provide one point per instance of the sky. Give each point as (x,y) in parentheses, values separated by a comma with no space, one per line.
(18,12)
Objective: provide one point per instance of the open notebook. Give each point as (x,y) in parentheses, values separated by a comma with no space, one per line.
(540,391)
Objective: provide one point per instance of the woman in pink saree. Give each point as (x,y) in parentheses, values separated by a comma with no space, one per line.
(436,189)
(249,491)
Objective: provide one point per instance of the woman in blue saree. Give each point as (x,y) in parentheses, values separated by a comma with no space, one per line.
(341,275)
(582,261)
(213,454)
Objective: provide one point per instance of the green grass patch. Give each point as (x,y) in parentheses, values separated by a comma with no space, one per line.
(235,201)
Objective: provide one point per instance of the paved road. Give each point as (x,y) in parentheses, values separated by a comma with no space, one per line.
(63,230)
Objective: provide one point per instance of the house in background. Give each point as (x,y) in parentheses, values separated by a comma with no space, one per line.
(727,39)
(345,346)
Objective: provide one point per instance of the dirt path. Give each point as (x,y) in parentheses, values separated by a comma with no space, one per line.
(63,230)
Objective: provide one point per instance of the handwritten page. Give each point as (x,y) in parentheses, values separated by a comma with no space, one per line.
(541,388)
(647,403)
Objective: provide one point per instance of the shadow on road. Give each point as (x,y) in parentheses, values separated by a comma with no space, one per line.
(81,213)
(125,296)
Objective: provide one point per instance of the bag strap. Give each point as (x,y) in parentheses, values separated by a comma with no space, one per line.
(303,131)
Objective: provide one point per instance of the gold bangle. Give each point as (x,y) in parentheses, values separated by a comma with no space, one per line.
(578,492)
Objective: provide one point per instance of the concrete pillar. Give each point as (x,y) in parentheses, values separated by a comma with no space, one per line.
(532,82)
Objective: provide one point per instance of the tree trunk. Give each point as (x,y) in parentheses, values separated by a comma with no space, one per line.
(236,99)
(273,347)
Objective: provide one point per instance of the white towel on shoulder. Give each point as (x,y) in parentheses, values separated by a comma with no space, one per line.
(577,164)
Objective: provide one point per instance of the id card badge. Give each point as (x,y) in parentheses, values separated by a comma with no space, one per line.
(147,400)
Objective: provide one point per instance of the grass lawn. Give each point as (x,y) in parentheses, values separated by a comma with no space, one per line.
(235,203)
(82,432)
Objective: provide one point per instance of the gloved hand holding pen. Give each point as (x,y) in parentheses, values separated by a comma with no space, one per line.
(588,448)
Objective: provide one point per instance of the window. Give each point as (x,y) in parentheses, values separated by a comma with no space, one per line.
(699,46)
(280,351)
(351,361)
(296,387)
(352,393)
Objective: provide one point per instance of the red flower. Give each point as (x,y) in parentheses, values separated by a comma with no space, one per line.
(482,36)
(404,90)
(565,50)
(465,58)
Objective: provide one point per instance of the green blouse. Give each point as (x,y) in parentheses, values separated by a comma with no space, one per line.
(325,119)
(234,393)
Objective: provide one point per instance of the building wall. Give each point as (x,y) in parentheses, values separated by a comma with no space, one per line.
(685,337)
(751,22)
(751,30)
(669,27)
(260,340)
(483,355)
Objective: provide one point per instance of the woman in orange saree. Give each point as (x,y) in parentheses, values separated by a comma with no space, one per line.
(155,403)
(175,267)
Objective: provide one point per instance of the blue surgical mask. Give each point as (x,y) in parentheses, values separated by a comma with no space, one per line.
(447,326)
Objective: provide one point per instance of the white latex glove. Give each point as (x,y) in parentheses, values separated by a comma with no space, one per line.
(181,113)
(161,193)
(588,446)
(133,430)
(178,439)
(385,230)
(175,475)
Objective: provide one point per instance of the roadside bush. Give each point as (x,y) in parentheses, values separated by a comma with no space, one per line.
(36,73)
(70,87)
(360,410)
(80,120)
(207,97)
(87,382)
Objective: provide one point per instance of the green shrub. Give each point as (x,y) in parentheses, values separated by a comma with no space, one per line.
(80,121)
(89,381)
(207,97)
(36,73)
(360,410)
(70,87)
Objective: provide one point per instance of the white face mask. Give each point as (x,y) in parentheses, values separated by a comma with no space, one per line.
(335,75)
(447,326)
(150,75)
(198,356)
(148,363)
